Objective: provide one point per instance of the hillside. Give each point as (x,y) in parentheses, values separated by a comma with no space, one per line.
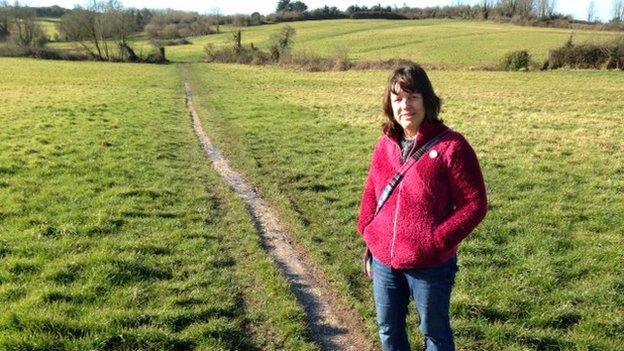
(448,43)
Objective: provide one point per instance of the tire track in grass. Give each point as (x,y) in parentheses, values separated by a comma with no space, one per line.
(333,325)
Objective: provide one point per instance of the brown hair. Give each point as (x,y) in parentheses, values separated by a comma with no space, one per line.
(412,79)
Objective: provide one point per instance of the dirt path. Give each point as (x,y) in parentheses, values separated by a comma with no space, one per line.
(333,325)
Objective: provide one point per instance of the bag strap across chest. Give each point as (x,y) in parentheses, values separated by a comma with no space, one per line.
(406,166)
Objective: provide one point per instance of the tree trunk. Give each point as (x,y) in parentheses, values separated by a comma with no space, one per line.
(162,57)
(132,57)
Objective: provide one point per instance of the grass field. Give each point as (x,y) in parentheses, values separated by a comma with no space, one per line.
(115,234)
(441,43)
(49,26)
(447,43)
(543,272)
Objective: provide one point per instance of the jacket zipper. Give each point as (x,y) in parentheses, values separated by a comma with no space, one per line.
(396,209)
(394,227)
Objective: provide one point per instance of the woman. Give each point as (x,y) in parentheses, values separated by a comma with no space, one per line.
(415,235)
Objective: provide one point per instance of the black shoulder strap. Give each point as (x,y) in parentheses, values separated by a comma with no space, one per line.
(418,154)
(399,176)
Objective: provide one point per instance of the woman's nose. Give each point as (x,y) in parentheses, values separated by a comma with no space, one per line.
(405,104)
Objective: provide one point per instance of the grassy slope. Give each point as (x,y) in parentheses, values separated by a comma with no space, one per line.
(115,234)
(542,272)
(49,26)
(435,42)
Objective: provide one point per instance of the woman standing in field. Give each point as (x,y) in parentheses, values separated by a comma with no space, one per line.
(424,194)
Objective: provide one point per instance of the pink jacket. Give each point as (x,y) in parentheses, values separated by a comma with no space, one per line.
(438,203)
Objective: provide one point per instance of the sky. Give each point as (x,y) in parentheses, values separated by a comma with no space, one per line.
(576,8)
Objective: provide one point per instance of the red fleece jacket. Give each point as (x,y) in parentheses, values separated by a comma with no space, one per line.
(440,200)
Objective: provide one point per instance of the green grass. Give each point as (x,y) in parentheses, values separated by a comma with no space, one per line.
(543,272)
(115,233)
(50,26)
(447,43)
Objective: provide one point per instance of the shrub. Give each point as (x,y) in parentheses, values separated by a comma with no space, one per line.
(517,60)
(170,42)
(12,50)
(608,55)
(25,31)
(376,14)
(616,57)
(281,43)
(243,55)
(286,16)
(307,61)
(381,65)
(341,58)
(50,54)
(170,24)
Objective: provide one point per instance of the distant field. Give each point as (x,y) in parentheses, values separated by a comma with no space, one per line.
(49,26)
(446,43)
(115,234)
(441,43)
(543,272)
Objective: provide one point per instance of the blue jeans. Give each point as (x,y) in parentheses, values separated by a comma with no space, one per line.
(431,290)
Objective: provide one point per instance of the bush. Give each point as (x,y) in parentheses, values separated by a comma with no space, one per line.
(242,55)
(381,65)
(170,42)
(616,57)
(517,60)
(608,55)
(170,24)
(376,14)
(307,61)
(286,16)
(13,50)
(281,43)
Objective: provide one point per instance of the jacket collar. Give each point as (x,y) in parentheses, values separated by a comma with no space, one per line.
(426,131)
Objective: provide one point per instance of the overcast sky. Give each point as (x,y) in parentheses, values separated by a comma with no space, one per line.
(577,8)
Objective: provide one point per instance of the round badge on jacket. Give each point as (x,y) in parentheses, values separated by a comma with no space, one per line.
(433,154)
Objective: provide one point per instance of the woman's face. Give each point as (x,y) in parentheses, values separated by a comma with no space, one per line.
(408,109)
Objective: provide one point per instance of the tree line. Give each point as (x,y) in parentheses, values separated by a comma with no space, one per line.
(19,26)
(504,10)
(104,29)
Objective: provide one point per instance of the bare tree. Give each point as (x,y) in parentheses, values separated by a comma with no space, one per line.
(98,27)
(23,28)
(216,17)
(118,24)
(508,8)
(618,10)
(173,24)
(83,27)
(486,7)
(525,8)
(542,8)
(591,11)
(4,19)
(552,5)
(545,8)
